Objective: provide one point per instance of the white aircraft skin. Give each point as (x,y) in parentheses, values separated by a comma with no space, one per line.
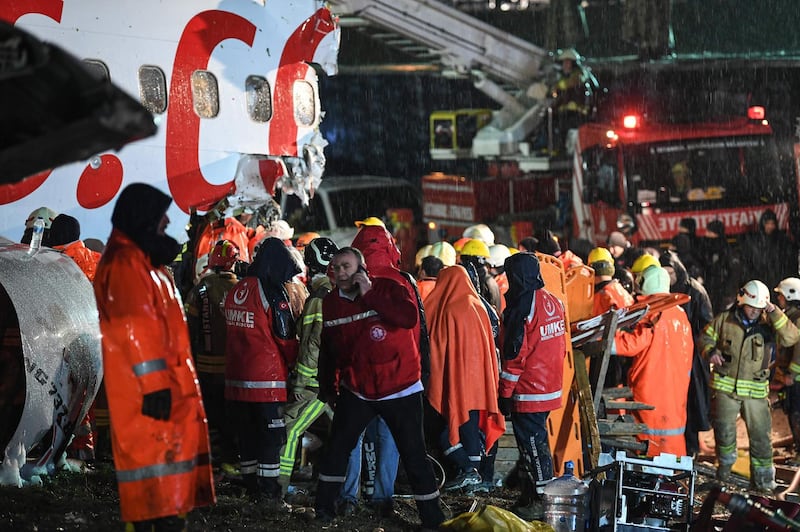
(193,159)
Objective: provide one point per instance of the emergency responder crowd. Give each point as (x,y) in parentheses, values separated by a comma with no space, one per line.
(285,333)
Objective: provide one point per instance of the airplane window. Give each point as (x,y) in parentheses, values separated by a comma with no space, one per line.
(305,109)
(205,94)
(99,68)
(259,98)
(153,89)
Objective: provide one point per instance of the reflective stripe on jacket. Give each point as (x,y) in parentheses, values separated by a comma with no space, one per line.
(746,350)
(163,467)
(257,363)
(535,377)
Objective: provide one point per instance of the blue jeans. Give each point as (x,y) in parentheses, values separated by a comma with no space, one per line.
(382,459)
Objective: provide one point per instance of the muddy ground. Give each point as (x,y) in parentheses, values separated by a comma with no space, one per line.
(88,501)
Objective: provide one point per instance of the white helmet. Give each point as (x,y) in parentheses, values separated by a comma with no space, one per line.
(498,253)
(790,288)
(445,252)
(753,293)
(480,232)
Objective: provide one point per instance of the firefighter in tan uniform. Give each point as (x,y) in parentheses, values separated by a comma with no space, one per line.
(737,342)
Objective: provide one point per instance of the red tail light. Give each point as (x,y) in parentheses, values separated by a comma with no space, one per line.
(630,121)
(756,112)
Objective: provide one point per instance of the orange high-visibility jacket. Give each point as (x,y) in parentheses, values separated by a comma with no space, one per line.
(662,349)
(163,467)
(85,258)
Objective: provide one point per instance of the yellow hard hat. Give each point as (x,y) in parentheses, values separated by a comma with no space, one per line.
(644,262)
(475,248)
(513,251)
(600,254)
(371,221)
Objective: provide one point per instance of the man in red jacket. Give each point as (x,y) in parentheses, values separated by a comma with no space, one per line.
(534,347)
(369,340)
(260,348)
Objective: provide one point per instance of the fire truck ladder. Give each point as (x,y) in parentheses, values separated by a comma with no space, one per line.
(466,46)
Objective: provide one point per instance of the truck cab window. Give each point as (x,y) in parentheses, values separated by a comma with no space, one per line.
(602,177)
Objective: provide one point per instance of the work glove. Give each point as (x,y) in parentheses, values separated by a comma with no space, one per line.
(505,404)
(158,404)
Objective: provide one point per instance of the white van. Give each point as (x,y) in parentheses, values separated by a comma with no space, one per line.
(340,201)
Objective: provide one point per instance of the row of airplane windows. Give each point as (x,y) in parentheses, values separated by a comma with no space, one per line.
(205,93)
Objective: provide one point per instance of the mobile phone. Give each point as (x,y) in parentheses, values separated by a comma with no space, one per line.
(362,269)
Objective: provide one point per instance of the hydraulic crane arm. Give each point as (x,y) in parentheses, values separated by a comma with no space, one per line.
(464,42)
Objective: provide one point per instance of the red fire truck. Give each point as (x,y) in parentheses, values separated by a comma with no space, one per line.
(624,170)
(657,174)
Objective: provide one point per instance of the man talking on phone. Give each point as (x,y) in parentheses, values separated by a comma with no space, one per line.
(370,365)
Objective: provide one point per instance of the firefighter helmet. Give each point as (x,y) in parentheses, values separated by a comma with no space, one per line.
(475,248)
(498,254)
(223,256)
(479,232)
(568,54)
(600,254)
(626,224)
(318,254)
(445,253)
(46,214)
(643,262)
(753,293)
(789,288)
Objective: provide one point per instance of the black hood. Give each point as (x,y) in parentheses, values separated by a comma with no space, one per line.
(671,259)
(770,215)
(138,213)
(524,278)
(273,264)
(63,230)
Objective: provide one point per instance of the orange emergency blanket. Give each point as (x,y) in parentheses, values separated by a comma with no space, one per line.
(464,367)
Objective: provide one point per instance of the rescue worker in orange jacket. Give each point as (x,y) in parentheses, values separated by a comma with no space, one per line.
(159,432)
(65,236)
(533,352)
(65,233)
(428,272)
(464,376)
(261,348)
(662,347)
(608,292)
(207,330)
